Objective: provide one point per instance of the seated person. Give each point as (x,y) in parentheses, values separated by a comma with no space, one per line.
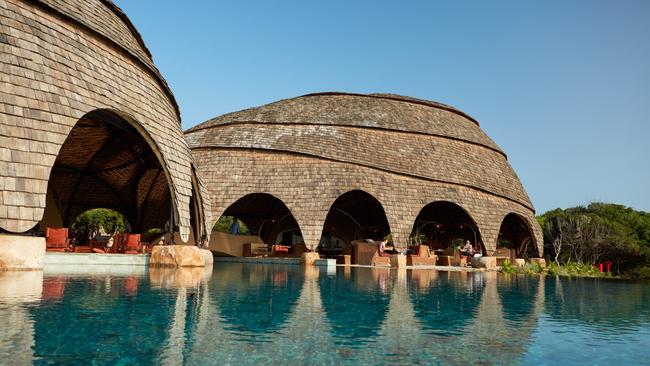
(467,250)
(382,248)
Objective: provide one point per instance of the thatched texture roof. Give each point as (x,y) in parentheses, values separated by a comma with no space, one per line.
(406,152)
(64,60)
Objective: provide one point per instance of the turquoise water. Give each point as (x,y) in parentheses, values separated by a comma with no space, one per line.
(269,314)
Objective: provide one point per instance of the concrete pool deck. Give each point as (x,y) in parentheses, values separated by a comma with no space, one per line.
(55,258)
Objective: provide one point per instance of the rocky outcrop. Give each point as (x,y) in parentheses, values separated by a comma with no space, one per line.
(179,256)
(21,253)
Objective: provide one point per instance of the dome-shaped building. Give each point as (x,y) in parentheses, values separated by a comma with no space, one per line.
(330,168)
(86,120)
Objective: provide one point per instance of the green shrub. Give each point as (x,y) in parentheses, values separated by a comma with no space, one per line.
(638,273)
(506,267)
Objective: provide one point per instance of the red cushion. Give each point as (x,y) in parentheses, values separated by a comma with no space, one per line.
(56,237)
(132,241)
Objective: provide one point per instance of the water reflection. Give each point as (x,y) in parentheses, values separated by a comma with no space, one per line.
(446,305)
(261,314)
(257,299)
(356,304)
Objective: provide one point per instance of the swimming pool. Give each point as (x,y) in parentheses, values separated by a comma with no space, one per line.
(274,314)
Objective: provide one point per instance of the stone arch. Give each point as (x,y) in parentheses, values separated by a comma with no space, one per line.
(265,215)
(355,214)
(517,235)
(109,160)
(439,223)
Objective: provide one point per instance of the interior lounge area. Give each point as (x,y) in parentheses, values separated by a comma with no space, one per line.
(108,191)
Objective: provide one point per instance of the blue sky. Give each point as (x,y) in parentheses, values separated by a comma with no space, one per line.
(562,86)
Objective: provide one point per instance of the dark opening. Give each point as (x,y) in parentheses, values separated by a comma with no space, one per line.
(267,217)
(354,215)
(442,224)
(106,163)
(515,236)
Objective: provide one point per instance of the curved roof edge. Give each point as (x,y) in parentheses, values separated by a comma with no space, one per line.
(134,31)
(120,14)
(400,98)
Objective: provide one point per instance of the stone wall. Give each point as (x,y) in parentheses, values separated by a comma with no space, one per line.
(60,61)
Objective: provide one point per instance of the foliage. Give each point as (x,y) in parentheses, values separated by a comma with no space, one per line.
(574,270)
(507,267)
(93,221)
(533,268)
(597,233)
(224,222)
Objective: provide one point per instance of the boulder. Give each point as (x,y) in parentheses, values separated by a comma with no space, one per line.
(308,258)
(21,253)
(179,256)
(519,262)
(484,262)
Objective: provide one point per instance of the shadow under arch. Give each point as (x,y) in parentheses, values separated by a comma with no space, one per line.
(448,304)
(108,160)
(516,236)
(356,305)
(256,299)
(267,217)
(442,224)
(353,215)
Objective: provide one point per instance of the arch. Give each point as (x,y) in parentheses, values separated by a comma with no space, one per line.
(441,224)
(355,214)
(108,160)
(516,236)
(266,216)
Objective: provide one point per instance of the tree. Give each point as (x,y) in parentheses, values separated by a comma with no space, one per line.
(596,233)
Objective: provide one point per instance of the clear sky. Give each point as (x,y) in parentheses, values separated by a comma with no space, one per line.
(562,86)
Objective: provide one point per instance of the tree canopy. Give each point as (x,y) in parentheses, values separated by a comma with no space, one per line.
(596,233)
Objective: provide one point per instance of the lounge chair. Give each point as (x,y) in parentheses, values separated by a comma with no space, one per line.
(421,256)
(366,253)
(56,239)
(452,257)
(131,244)
(278,250)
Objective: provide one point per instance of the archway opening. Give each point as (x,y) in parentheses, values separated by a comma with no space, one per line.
(105,162)
(442,225)
(267,217)
(353,216)
(516,238)
(97,222)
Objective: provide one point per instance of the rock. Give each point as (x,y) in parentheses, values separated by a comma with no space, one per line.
(540,261)
(398,261)
(519,262)
(309,258)
(20,253)
(484,262)
(179,256)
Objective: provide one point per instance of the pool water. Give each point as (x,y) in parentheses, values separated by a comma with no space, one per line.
(255,314)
